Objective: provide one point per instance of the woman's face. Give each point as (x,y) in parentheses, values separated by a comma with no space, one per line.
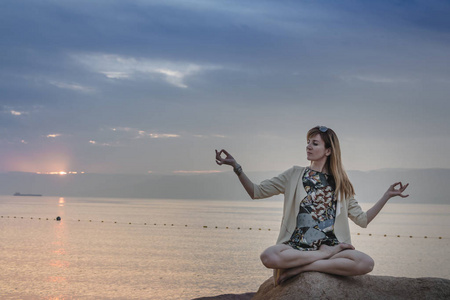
(315,149)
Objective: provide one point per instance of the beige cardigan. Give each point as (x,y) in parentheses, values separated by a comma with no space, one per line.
(290,184)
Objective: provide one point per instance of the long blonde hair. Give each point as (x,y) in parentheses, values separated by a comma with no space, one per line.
(344,188)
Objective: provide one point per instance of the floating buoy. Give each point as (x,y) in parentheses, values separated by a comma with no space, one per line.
(58,218)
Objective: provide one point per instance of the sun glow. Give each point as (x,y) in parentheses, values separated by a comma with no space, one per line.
(60,173)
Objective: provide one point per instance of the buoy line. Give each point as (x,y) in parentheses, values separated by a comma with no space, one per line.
(150,224)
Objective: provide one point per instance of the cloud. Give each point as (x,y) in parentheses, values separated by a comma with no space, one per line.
(125,136)
(92,142)
(377,79)
(164,135)
(126,129)
(124,67)
(138,133)
(173,77)
(116,75)
(123,129)
(72,86)
(143,133)
(17,113)
(14,111)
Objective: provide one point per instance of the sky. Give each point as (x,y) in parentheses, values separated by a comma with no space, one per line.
(138,87)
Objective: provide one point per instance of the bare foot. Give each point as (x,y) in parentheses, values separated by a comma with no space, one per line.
(276,276)
(285,274)
(332,250)
(281,275)
(346,246)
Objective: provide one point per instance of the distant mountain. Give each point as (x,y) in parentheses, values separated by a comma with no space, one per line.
(426,185)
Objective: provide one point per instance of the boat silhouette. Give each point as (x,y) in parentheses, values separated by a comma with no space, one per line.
(28,195)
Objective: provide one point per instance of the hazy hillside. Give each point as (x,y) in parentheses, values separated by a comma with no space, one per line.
(426,185)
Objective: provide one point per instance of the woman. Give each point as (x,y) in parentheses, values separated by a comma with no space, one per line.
(314,233)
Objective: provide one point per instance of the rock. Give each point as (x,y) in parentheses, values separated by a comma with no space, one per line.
(315,285)
(246,296)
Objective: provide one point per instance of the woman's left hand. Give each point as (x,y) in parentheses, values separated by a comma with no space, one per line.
(393,191)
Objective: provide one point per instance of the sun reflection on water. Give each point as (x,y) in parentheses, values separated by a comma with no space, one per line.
(60,264)
(57,279)
(59,252)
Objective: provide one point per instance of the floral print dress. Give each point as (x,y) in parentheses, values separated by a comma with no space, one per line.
(315,220)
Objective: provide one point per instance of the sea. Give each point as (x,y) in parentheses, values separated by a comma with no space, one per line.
(117,248)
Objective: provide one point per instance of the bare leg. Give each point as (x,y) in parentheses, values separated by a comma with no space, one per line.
(285,257)
(346,263)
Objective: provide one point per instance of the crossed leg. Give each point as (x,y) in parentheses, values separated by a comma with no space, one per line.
(341,259)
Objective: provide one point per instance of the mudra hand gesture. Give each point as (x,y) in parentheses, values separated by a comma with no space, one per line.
(228,160)
(393,192)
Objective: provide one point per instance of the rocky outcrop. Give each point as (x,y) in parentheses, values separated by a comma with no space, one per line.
(246,296)
(315,285)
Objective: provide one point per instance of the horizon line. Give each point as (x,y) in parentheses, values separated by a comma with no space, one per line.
(198,172)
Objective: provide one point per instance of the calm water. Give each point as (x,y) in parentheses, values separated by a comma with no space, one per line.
(94,251)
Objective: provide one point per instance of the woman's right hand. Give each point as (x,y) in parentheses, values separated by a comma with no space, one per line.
(228,160)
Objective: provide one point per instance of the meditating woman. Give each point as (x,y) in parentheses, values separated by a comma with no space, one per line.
(318,200)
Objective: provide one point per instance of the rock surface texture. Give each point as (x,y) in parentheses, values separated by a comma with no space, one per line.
(315,285)
(246,296)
